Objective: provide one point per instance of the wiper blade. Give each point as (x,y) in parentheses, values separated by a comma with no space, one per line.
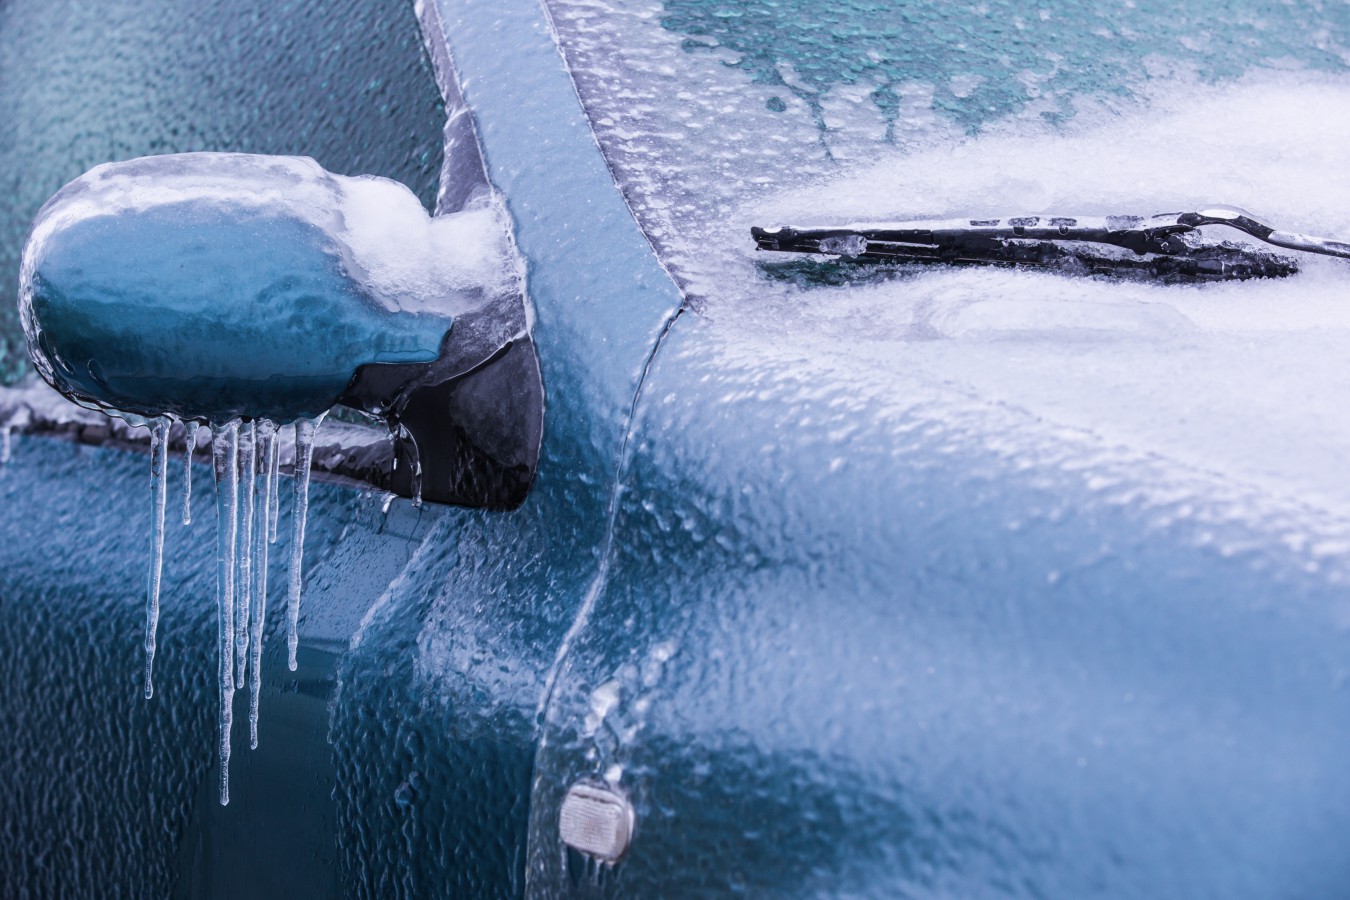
(1166,246)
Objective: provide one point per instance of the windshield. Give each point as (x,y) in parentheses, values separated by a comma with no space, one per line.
(713,111)
(347,83)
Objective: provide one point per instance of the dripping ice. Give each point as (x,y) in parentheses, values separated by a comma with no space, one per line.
(189,447)
(248,464)
(245,466)
(262,536)
(225,465)
(159,439)
(304,457)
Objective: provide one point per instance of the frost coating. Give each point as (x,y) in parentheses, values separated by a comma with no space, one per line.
(273,498)
(267,454)
(189,447)
(248,481)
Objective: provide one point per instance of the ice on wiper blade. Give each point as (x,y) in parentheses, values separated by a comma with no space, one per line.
(1167,246)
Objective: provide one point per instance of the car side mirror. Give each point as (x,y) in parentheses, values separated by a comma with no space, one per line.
(209,287)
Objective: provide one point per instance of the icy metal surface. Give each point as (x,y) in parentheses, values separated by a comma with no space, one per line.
(344,453)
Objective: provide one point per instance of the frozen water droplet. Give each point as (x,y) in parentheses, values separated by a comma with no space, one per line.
(159,438)
(603,700)
(848,245)
(304,455)
(409,442)
(225,464)
(189,448)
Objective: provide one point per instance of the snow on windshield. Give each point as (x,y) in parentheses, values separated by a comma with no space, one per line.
(703,107)
(719,116)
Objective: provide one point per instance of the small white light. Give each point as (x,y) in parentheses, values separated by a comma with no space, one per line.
(596,821)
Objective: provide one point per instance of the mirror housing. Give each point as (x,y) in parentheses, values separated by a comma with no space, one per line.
(209,287)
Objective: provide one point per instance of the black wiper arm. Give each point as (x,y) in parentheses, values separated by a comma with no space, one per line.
(1245,222)
(1165,245)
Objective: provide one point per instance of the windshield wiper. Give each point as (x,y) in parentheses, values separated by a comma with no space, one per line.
(1167,246)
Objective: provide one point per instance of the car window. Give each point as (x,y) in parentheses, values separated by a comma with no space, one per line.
(347,83)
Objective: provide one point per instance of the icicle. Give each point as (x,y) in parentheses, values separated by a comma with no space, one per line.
(248,464)
(267,447)
(274,492)
(159,436)
(225,463)
(304,455)
(189,447)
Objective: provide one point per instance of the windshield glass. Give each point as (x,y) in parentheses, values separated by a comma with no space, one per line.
(347,83)
(711,111)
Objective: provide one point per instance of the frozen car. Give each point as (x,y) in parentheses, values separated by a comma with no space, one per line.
(829,579)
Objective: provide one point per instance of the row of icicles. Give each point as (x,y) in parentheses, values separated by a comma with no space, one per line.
(247,451)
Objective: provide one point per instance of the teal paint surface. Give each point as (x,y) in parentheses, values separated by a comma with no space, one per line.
(865,633)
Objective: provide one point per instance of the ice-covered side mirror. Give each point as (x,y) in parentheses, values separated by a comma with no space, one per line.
(209,287)
(246,292)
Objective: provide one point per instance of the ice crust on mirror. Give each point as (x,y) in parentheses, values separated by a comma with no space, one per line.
(208,286)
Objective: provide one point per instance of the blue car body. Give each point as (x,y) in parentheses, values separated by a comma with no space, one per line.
(833,622)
